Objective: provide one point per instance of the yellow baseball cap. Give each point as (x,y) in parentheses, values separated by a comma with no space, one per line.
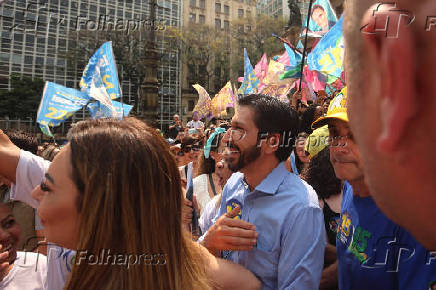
(337,110)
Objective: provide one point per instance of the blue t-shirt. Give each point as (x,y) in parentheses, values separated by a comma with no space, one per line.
(374,253)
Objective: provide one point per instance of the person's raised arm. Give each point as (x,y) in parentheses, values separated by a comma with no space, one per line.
(9,157)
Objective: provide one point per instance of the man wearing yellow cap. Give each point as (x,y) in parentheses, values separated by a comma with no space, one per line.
(373,252)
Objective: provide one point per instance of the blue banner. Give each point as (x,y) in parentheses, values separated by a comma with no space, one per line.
(295,58)
(322,18)
(100,78)
(328,55)
(121,110)
(251,82)
(58,103)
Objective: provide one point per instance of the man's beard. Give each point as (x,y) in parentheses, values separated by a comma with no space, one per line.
(246,157)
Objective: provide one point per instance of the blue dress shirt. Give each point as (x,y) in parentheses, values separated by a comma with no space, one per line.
(289,253)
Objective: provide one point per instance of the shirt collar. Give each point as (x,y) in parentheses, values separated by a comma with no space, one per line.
(271,183)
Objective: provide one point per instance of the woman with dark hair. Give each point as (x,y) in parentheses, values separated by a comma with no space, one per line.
(321,176)
(207,183)
(312,113)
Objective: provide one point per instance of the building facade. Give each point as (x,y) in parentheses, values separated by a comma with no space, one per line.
(217,14)
(276,8)
(36,40)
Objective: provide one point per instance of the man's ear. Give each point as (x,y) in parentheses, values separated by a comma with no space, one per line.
(398,104)
(272,143)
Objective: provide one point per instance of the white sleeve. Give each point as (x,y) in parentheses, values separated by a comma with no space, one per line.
(30,172)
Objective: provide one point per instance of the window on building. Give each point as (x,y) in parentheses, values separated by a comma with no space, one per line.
(192,17)
(240,13)
(192,3)
(218,7)
(226,10)
(248,27)
(248,13)
(218,23)
(226,25)
(201,19)
(241,28)
(202,4)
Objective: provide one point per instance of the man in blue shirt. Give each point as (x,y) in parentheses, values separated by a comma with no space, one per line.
(269,219)
(373,252)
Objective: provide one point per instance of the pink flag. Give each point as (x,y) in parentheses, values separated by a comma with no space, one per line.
(284,59)
(261,67)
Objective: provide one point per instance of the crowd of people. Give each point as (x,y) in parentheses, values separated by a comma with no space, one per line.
(334,194)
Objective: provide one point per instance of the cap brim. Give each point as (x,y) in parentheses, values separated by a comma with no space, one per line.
(324,120)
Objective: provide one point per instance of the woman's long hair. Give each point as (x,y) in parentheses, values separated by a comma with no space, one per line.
(130,203)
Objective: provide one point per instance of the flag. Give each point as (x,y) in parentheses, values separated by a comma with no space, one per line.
(100,79)
(327,57)
(58,103)
(121,110)
(261,68)
(291,73)
(274,70)
(295,58)
(223,100)
(279,91)
(251,82)
(45,129)
(322,18)
(203,106)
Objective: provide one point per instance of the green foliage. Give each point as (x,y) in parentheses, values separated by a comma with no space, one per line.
(203,49)
(257,39)
(23,99)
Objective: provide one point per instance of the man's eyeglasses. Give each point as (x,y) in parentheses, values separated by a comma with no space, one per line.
(236,134)
(339,141)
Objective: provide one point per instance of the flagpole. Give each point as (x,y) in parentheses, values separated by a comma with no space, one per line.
(305,43)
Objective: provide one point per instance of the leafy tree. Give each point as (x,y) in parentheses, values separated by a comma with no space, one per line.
(22,101)
(256,35)
(205,53)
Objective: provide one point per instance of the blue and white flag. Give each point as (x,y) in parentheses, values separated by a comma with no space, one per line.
(251,82)
(295,58)
(121,110)
(328,55)
(58,103)
(100,78)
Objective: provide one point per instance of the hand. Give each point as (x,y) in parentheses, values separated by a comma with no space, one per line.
(230,234)
(4,265)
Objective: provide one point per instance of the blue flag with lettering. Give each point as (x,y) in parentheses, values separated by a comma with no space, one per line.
(328,55)
(58,103)
(122,110)
(251,82)
(100,79)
